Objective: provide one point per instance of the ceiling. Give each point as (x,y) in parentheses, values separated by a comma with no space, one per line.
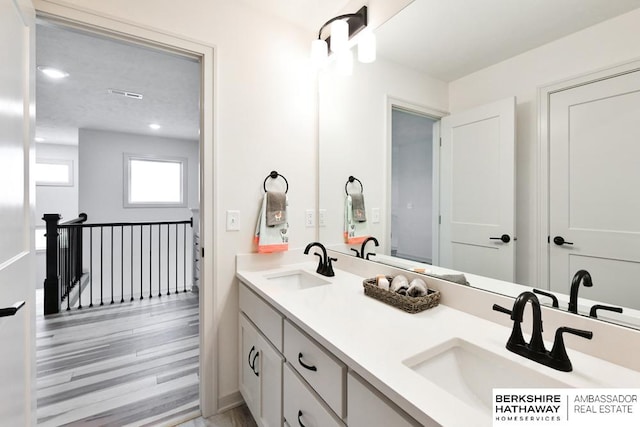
(449,39)
(170,85)
(446,39)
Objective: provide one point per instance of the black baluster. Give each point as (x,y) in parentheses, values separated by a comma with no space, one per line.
(159,258)
(184,255)
(176,227)
(131,265)
(141,269)
(121,264)
(101,264)
(150,258)
(79,257)
(112,264)
(67,271)
(168,263)
(90,266)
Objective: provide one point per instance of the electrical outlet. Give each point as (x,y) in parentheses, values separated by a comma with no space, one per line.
(309,218)
(375,215)
(233,220)
(322,215)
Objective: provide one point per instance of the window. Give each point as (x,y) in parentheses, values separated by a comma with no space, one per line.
(54,172)
(155,181)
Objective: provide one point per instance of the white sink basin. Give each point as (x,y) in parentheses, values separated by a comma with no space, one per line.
(470,373)
(296,279)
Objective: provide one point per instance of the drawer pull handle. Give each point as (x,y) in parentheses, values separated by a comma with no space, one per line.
(300,422)
(253,364)
(304,365)
(10,311)
(249,358)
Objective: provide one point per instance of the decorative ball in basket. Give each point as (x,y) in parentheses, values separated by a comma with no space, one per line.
(412,297)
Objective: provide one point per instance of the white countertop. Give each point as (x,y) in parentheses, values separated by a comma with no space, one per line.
(374,339)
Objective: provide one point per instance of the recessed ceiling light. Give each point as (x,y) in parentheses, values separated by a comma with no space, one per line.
(53,73)
(39,139)
(154,126)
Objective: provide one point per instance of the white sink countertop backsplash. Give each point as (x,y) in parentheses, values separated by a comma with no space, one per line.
(374,339)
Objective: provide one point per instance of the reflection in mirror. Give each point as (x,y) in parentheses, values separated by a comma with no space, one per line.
(358,136)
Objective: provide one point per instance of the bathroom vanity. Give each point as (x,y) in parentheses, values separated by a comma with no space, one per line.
(315,351)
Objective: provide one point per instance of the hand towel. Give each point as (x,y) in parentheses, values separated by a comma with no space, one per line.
(357,204)
(276,208)
(274,238)
(355,232)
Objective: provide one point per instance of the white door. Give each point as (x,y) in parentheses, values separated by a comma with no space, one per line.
(594,188)
(477,190)
(17,282)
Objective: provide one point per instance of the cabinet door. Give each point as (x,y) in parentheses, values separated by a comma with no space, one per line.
(269,367)
(249,374)
(368,408)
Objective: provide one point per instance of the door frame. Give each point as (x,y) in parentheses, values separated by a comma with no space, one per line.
(544,99)
(96,22)
(433,113)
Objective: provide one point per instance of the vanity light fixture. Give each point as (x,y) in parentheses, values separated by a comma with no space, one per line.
(343,29)
(53,73)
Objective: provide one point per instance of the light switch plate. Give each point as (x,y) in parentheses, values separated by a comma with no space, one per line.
(309,218)
(322,215)
(233,220)
(375,215)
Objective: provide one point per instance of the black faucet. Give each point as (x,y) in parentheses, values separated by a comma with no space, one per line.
(556,358)
(593,312)
(364,244)
(581,276)
(324,265)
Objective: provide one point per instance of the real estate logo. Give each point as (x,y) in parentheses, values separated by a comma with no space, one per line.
(566,407)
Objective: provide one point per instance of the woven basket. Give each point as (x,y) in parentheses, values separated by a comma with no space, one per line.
(403,302)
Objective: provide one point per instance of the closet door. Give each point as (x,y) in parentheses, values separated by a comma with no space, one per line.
(477,191)
(594,188)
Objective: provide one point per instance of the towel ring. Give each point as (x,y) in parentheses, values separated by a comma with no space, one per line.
(274,175)
(350,180)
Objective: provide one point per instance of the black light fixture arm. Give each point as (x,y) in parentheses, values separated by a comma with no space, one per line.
(353,27)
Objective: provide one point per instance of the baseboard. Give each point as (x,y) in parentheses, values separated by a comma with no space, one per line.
(230,401)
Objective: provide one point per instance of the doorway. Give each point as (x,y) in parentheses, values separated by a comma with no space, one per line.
(412,139)
(107,135)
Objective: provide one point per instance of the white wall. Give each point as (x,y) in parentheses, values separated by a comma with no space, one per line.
(354,136)
(62,200)
(265,119)
(101,159)
(609,43)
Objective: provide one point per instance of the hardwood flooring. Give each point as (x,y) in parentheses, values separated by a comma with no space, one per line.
(236,417)
(130,364)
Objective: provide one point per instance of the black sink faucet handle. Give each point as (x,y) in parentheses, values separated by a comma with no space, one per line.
(558,353)
(554,299)
(356,251)
(595,308)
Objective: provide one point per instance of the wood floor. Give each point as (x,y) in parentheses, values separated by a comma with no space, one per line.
(124,364)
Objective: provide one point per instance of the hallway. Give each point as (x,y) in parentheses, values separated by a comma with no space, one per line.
(127,364)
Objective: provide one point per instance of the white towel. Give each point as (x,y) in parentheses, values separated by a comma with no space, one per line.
(274,238)
(355,232)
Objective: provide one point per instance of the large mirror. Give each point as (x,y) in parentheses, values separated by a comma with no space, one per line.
(383,125)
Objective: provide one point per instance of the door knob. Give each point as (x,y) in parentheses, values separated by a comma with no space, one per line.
(505,238)
(559,240)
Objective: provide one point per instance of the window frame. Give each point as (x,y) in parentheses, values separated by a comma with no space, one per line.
(62,162)
(128,157)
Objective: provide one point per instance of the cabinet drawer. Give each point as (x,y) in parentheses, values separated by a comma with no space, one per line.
(262,314)
(369,408)
(301,407)
(323,371)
